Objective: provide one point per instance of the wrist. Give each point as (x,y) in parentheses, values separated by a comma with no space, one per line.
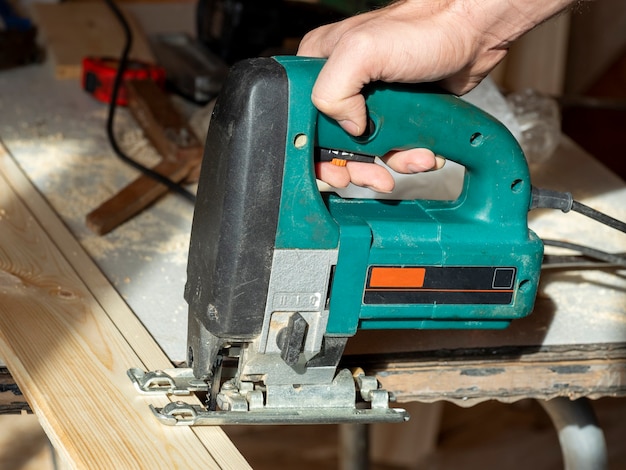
(501,22)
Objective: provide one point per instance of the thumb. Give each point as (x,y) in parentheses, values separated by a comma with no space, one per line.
(339,99)
(350,113)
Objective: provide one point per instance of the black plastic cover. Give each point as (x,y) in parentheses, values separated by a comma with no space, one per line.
(236,213)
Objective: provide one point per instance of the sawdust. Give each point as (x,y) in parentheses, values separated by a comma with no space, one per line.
(57,134)
(145,239)
(78,174)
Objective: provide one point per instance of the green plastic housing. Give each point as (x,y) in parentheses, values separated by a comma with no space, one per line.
(485,227)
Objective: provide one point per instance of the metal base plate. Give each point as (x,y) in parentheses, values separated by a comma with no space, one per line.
(184,414)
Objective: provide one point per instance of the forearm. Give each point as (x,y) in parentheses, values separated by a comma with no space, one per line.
(454,42)
(506,20)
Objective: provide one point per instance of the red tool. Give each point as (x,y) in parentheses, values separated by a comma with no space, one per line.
(98,76)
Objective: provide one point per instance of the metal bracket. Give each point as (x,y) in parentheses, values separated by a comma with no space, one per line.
(167,381)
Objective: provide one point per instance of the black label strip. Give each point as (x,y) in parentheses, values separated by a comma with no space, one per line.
(440,285)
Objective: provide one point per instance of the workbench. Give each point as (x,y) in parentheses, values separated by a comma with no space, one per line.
(573,345)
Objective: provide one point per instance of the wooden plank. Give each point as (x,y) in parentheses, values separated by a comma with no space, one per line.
(134,198)
(72,31)
(163,124)
(68,339)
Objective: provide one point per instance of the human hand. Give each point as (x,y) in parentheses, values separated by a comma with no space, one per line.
(455,42)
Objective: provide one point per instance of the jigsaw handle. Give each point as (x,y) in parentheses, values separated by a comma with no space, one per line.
(404,117)
(496,186)
(414,116)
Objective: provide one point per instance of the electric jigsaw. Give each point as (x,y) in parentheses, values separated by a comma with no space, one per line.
(280,276)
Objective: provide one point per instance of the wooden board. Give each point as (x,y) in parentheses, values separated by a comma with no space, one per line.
(71,31)
(68,338)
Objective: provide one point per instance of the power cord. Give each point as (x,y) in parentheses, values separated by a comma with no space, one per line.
(610,258)
(564,201)
(123,61)
(550,199)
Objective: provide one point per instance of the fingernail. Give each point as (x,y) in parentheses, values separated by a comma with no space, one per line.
(350,127)
(440,162)
(378,190)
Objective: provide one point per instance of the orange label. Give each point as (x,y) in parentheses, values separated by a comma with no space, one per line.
(397,277)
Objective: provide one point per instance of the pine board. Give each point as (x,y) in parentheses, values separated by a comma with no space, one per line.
(68,338)
(74,30)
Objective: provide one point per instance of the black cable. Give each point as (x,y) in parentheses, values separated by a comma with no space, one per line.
(599,216)
(588,251)
(123,61)
(550,199)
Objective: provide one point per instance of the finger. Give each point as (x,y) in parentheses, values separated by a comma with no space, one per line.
(370,175)
(339,105)
(351,65)
(350,112)
(334,175)
(337,91)
(461,83)
(413,161)
(318,42)
(321,41)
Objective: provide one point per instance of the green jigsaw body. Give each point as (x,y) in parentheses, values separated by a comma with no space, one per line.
(280,276)
(474,261)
